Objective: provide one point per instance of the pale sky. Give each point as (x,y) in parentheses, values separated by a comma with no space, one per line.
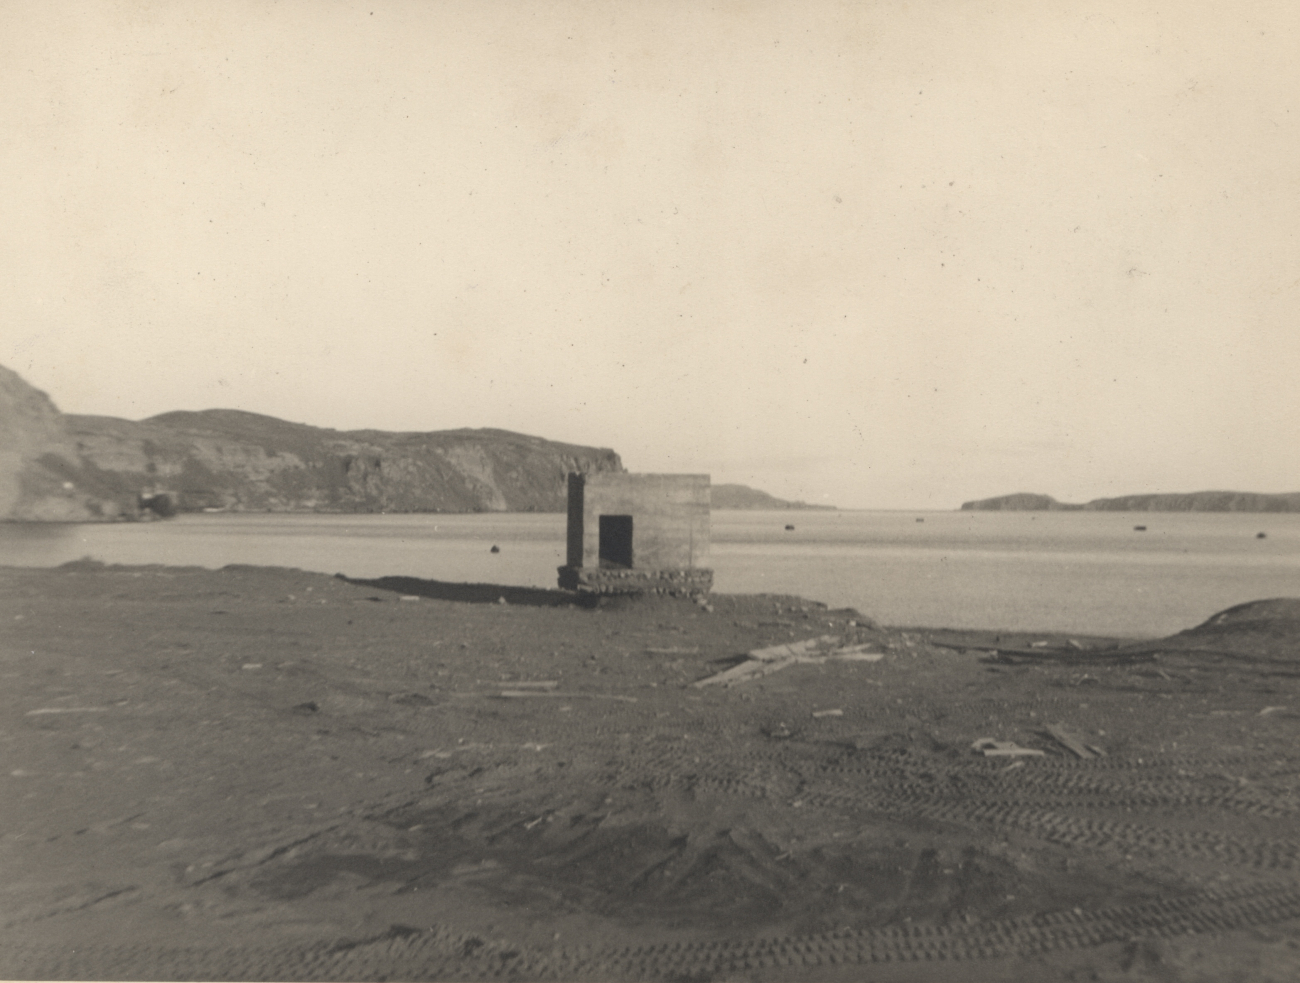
(882,255)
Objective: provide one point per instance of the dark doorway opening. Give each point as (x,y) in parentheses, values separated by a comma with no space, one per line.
(616,541)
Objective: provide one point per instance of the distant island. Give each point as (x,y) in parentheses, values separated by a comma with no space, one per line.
(744,497)
(1204,501)
(62,467)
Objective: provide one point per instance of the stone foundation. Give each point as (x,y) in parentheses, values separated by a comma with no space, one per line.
(679,582)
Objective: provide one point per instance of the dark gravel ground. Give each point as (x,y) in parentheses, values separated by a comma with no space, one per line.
(270,774)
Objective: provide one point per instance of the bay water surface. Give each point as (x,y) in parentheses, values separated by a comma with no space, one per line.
(1083,572)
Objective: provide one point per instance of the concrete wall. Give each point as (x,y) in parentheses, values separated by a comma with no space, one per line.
(574,538)
(670,518)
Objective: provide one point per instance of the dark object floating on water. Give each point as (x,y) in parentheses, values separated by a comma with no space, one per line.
(1139,528)
(1261,535)
(789,528)
(920,520)
(495,549)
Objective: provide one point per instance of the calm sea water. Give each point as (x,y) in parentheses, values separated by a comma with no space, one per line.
(1085,572)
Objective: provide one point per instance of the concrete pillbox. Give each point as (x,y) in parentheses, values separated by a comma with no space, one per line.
(638,533)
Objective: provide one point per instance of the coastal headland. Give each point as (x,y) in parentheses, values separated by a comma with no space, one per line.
(63,467)
(262,773)
(1203,501)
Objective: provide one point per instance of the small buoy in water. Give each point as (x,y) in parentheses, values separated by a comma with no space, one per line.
(1261,535)
(495,549)
(1139,528)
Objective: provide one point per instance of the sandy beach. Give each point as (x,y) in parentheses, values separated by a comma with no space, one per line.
(260,773)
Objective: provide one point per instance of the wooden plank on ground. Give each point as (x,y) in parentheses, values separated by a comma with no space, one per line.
(793,649)
(761,662)
(745,671)
(1068,741)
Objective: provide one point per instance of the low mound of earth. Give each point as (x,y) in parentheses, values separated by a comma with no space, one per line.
(271,774)
(1258,630)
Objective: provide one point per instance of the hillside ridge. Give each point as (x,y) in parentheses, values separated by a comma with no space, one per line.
(1203,501)
(733,496)
(85,468)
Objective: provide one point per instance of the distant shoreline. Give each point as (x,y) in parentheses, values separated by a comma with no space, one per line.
(1204,501)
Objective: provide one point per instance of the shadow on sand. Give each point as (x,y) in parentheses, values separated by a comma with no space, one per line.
(537,597)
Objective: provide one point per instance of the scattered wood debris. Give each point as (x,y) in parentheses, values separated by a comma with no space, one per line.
(518,694)
(761,662)
(857,653)
(808,646)
(990,748)
(1072,743)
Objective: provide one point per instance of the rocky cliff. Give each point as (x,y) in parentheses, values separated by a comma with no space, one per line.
(37,460)
(84,468)
(1206,501)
